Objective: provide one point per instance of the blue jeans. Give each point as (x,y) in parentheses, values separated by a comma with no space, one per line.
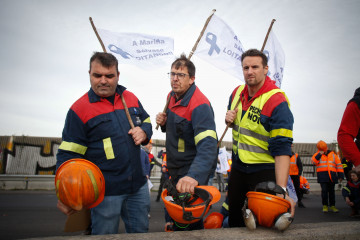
(133,209)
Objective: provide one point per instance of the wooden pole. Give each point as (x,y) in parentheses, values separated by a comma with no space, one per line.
(267,34)
(97,34)
(127,112)
(238,102)
(191,53)
(201,33)
(122,98)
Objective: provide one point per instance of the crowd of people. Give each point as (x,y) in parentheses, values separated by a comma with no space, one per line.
(108,125)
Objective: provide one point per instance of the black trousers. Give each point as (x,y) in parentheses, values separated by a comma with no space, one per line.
(239,184)
(328,193)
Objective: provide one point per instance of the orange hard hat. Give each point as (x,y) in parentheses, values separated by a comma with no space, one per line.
(197,206)
(79,184)
(214,220)
(266,207)
(321,146)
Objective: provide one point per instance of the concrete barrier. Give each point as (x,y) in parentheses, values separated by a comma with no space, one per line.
(322,231)
(46,182)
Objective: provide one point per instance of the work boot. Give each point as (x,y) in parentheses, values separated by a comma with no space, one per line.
(354,212)
(169,227)
(325,208)
(334,209)
(301,205)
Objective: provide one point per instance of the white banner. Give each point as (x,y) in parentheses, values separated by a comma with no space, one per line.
(291,189)
(221,47)
(139,49)
(223,164)
(276,58)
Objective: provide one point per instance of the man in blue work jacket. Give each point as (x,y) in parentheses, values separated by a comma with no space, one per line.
(191,140)
(97,129)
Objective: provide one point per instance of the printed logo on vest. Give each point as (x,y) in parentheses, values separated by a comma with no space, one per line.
(254,114)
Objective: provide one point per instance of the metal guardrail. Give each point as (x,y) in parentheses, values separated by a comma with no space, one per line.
(51,178)
(24,181)
(43,178)
(8,177)
(46,182)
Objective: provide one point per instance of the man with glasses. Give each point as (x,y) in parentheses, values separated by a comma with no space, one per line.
(191,140)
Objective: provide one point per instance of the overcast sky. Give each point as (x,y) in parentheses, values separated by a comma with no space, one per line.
(45,48)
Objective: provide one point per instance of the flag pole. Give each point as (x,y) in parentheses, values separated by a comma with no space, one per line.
(201,33)
(97,34)
(267,34)
(238,102)
(122,98)
(191,53)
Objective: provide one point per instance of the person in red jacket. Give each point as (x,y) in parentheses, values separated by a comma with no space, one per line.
(329,171)
(349,131)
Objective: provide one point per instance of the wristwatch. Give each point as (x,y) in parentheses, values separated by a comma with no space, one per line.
(285,190)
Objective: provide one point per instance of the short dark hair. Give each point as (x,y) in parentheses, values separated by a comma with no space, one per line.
(183,61)
(255,53)
(352,171)
(106,59)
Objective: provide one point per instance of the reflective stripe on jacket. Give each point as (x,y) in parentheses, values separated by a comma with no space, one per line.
(328,167)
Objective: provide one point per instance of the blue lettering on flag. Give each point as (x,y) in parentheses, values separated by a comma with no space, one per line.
(277,76)
(119,51)
(212,42)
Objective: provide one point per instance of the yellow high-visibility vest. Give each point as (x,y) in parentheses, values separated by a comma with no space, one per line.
(250,139)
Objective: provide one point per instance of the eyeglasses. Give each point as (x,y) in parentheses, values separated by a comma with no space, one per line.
(179,75)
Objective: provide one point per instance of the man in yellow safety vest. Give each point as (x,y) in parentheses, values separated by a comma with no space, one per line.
(262,126)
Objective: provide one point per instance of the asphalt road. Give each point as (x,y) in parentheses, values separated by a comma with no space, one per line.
(29,214)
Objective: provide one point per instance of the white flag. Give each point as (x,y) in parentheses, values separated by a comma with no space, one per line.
(223,157)
(138,49)
(291,189)
(276,58)
(221,47)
